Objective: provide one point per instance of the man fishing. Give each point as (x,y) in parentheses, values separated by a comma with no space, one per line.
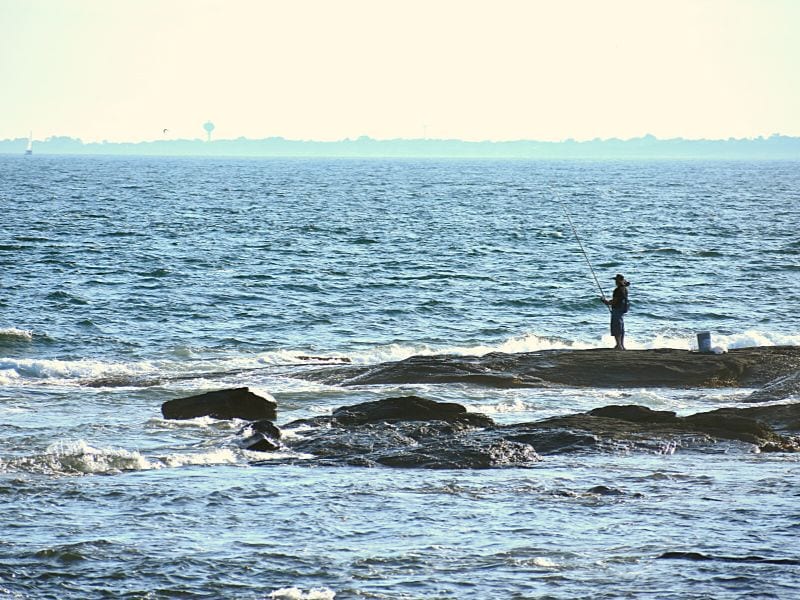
(619,306)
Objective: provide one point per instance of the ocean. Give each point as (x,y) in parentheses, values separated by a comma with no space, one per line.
(127,282)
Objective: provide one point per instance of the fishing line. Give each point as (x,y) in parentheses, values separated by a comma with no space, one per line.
(578,238)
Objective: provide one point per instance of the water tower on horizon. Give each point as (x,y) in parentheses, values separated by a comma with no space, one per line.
(209,127)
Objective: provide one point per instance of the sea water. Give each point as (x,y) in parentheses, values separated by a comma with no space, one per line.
(126,282)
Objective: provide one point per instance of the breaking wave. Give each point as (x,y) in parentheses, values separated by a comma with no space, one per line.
(12,333)
(80,458)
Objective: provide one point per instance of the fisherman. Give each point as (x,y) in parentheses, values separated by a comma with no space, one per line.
(619,306)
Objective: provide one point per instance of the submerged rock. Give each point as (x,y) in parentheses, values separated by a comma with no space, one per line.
(238,403)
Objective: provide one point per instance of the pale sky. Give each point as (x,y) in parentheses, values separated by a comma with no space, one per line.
(124,70)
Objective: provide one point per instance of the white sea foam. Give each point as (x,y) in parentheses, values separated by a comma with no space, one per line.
(277,455)
(526,343)
(71,370)
(514,405)
(293,593)
(536,343)
(752,337)
(219,456)
(720,343)
(296,432)
(204,422)
(541,561)
(79,458)
(8,377)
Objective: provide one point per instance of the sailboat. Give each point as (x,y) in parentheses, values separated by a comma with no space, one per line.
(29,150)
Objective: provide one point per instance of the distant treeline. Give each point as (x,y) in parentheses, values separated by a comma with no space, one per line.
(647,147)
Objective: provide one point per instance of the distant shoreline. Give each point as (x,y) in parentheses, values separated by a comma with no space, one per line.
(775,147)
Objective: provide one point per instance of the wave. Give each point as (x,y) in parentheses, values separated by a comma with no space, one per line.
(26,370)
(535,343)
(80,458)
(293,593)
(14,334)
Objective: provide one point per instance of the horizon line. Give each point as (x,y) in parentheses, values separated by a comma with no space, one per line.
(367,138)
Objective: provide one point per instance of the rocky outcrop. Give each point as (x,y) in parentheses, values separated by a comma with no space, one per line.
(261,436)
(408,408)
(238,403)
(406,432)
(638,428)
(416,432)
(745,367)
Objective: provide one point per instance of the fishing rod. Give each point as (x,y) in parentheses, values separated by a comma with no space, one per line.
(583,250)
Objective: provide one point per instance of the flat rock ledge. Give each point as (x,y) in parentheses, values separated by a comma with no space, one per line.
(743,367)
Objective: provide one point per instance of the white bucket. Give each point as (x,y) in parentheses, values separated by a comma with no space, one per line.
(704,341)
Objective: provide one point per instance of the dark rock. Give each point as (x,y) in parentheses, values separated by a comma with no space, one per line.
(238,403)
(638,427)
(463,453)
(782,417)
(424,369)
(409,432)
(634,413)
(262,436)
(731,426)
(414,432)
(258,442)
(743,367)
(585,433)
(342,443)
(553,441)
(431,445)
(266,427)
(603,490)
(407,408)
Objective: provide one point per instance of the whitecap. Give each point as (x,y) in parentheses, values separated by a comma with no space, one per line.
(752,337)
(14,333)
(72,371)
(511,406)
(293,593)
(79,458)
(220,456)
(541,561)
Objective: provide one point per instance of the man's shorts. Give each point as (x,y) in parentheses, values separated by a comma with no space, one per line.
(617,325)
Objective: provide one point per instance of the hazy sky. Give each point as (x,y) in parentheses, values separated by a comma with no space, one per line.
(123,70)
